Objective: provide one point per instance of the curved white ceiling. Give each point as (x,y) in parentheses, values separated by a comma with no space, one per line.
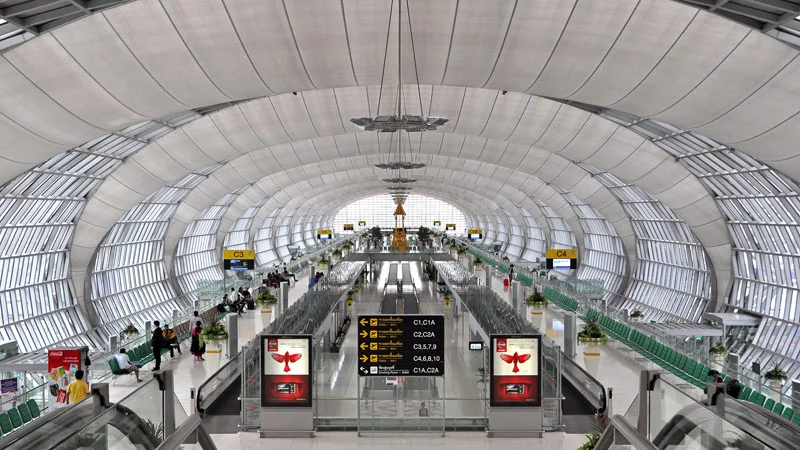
(652,58)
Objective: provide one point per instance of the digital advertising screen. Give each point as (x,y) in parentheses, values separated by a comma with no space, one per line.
(286,371)
(515,363)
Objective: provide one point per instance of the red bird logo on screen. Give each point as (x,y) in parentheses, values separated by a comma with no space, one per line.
(286,358)
(515,358)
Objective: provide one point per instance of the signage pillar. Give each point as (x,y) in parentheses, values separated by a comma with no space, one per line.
(570,335)
(284,296)
(489,276)
(515,386)
(286,386)
(516,293)
(174,317)
(796,394)
(733,365)
(233,335)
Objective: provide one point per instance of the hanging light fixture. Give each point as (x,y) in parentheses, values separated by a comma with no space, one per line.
(399,155)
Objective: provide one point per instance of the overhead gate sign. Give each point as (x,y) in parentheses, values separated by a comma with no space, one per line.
(401,345)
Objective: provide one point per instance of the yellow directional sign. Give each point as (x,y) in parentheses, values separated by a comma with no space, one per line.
(364,333)
(238,254)
(363,322)
(373,334)
(373,358)
(363,358)
(363,346)
(373,346)
(562,254)
(373,322)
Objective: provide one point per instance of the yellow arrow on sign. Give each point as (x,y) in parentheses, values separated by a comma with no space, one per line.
(363,322)
(364,333)
(363,346)
(363,358)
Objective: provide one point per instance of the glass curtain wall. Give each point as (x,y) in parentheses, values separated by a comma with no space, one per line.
(38,213)
(197,261)
(263,242)
(762,207)
(561,235)
(238,237)
(130,280)
(670,281)
(420,211)
(603,253)
(536,240)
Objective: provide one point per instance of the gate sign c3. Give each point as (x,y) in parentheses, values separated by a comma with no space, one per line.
(562,254)
(239,260)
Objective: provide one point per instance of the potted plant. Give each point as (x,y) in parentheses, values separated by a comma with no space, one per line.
(536,299)
(131,331)
(447,298)
(323,264)
(718,351)
(266,298)
(337,254)
(591,442)
(214,330)
(776,377)
(375,236)
(424,236)
(592,333)
(637,316)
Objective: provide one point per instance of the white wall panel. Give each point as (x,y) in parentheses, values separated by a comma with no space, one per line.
(152,39)
(70,85)
(686,64)
(653,28)
(318,29)
(476,43)
(531,38)
(208,33)
(99,50)
(590,33)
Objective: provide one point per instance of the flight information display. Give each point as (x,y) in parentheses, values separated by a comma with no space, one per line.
(401,345)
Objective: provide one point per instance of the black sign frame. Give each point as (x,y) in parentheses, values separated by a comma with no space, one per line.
(239,264)
(402,343)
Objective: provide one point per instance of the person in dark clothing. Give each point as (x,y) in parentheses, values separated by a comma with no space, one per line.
(157,342)
(198,347)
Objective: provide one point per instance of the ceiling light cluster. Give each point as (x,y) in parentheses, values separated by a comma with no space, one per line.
(399,157)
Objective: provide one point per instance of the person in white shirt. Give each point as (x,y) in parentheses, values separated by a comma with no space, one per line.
(196,319)
(125,364)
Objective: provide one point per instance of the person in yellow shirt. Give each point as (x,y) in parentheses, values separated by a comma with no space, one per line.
(172,340)
(78,389)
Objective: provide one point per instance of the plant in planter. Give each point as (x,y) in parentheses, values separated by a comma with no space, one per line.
(592,333)
(718,351)
(215,330)
(776,376)
(337,253)
(131,330)
(591,442)
(478,263)
(536,299)
(266,298)
(375,236)
(424,236)
(637,316)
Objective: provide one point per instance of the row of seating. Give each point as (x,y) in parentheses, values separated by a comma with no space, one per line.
(144,352)
(15,418)
(680,365)
(562,301)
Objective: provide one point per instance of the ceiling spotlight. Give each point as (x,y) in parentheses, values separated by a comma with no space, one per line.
(399,180)
(396,165)
(391,124)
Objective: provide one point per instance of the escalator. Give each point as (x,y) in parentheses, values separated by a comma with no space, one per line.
(223,414)
(94,423)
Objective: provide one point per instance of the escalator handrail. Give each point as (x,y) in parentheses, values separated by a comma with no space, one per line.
(601,409)
(213,376)
(620,425)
